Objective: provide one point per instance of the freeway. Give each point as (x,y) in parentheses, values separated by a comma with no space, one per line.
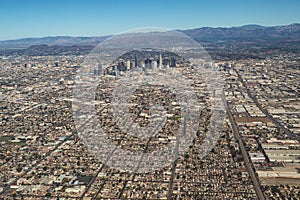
(246,158)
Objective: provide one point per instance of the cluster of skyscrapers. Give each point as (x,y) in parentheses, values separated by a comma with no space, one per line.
(125,65)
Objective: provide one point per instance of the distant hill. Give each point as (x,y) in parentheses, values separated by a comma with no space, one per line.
(47,50)
(247,33)
(53,41)
(288,36)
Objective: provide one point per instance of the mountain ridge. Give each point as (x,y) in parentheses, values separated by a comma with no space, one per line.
(245,33)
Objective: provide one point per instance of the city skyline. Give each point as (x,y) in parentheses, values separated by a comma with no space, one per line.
(140,99)
(32,19)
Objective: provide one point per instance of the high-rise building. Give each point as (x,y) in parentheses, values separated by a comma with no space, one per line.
(99,69)
(121,66)
(160,61)
(128,65)
(148,63)
(154,64)
(173,62)
(166,63)
(136,61)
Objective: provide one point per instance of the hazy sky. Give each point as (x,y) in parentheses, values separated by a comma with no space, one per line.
(38,18)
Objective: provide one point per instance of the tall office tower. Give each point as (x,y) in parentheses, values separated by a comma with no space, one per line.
(128,65)
(132,64)
(154,64)
(166,63)
(136,61)
(173,62)
(160,61)
(99,69)
(148,63)
(121,66)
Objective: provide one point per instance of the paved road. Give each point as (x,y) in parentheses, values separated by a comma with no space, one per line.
(247,161)
(278,124)
(3,193)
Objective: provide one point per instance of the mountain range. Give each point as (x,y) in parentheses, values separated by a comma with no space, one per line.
(247,33)
(243,34)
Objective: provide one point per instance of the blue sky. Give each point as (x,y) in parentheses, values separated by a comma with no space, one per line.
(39,18)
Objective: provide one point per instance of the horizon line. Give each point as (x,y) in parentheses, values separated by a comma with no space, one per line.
(107,35)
